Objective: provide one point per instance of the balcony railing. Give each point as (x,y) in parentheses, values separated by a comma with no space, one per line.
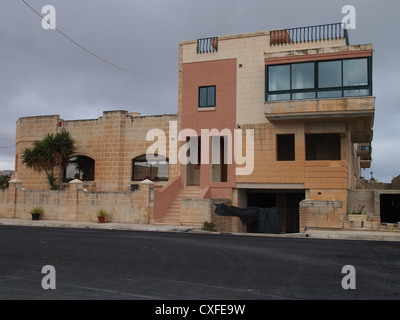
(206,45)
(334,31)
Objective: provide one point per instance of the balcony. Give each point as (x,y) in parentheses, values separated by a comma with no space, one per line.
(334,31)
(359,107)
(364,150)
(207,45)
(365,162)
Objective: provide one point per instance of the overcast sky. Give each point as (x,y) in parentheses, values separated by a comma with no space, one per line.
(43,73)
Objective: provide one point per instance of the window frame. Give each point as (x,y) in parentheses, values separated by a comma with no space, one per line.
(143,159)
(316,89)
(213,105)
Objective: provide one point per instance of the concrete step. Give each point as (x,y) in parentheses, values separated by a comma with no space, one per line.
(173,214)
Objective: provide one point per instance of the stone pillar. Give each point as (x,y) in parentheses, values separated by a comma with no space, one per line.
(75,185)
(73,199)
(146,187)
(15,186)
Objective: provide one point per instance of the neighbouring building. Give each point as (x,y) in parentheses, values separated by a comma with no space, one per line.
(304,93)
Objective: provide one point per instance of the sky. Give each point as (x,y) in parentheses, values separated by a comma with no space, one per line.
(43,73)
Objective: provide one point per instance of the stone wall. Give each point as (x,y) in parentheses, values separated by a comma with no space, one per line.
(363,197)
(197,211)
(76,204)
(321,214)
(113,141)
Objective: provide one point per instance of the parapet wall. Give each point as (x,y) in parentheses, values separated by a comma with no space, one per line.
(76,204)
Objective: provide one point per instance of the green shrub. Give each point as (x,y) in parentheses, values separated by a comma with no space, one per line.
(209,226)
(36,210)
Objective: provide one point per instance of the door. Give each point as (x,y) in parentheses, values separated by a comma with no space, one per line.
(219,166)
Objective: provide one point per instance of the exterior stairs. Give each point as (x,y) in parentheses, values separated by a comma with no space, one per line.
(173,214)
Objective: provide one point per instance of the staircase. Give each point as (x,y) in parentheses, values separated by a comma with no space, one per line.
(173,214)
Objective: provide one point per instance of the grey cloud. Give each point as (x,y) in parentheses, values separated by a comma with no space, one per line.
(43,73)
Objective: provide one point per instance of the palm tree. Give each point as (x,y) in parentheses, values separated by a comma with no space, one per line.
(53,151)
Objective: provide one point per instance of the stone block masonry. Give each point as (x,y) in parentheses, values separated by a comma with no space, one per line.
(112,141)
(76,204)
(321,214)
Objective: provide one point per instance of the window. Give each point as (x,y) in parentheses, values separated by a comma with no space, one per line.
(279,78)
(323,147)
(285,147)
(355,72)
(303,76)
(329,74)
(155,169)
(80,167)
(319,79)
(207,97)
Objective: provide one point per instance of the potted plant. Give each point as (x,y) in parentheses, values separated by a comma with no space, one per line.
(101,215)
(36,212)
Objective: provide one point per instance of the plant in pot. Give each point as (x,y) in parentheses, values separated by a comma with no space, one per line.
(36,212)
(101,215)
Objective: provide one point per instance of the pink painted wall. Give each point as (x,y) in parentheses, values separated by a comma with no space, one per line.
(222,74)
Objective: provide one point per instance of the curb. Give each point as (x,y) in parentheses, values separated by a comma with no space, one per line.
(312,234)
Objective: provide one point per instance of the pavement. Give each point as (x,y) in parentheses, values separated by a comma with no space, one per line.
(383,234)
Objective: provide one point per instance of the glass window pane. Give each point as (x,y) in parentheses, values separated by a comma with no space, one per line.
(330,94)
(207,96)
(211,96)
(203,97)
(279,78)
(355,72)
(303,76)
(329,74)
(279,97)
(155,169)
(356,93)
(303,95)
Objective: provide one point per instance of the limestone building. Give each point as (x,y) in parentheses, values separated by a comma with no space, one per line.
(298,101)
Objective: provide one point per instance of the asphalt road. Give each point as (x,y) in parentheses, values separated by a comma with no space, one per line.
(103,264)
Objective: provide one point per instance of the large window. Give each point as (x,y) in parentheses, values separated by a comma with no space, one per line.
(319,79)
(80,167)
(152,168)
(207,97)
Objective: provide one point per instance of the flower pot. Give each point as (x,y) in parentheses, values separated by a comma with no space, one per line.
(101,219)
(35,216)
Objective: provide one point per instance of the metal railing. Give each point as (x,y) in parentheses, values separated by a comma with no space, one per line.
(333,31)
(207,45)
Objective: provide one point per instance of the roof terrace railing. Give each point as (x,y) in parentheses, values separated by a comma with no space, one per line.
(206,45)
(333,31)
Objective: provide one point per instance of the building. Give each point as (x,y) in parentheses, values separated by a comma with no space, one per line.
(298,101)
(110,150)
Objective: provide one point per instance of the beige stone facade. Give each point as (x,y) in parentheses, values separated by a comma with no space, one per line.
(326,141)
(78,204)
(113,141)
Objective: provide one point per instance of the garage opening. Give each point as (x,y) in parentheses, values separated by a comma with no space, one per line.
(390,208)
(287,202)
